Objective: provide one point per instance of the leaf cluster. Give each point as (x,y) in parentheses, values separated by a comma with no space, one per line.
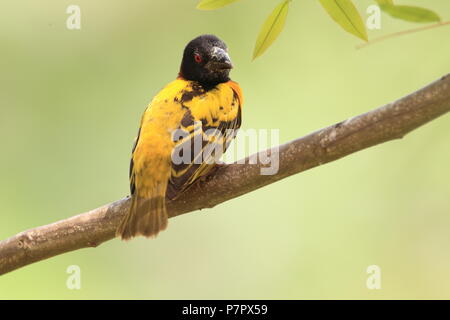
(343,12)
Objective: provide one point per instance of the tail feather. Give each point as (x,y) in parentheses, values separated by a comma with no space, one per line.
(147,217)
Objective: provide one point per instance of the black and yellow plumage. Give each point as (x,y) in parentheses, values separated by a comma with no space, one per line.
(205,106)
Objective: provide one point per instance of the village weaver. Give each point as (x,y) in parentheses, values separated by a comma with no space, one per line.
(204,104)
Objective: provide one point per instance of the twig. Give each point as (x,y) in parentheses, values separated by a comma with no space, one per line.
(401,33)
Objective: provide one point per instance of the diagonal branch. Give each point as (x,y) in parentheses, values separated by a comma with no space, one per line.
(90,229)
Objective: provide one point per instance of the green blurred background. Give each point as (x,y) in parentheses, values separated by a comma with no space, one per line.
(71,102)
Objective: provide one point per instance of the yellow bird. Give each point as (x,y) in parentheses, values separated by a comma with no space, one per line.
(183,133)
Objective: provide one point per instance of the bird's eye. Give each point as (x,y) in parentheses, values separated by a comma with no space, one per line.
(197,58)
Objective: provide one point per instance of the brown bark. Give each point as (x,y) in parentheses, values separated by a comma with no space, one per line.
(90,229)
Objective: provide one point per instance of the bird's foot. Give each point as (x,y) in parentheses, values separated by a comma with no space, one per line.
(213,171)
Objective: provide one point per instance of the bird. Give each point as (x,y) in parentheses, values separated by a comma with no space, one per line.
(183,132)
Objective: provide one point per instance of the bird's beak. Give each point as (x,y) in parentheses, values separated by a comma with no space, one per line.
(220,60)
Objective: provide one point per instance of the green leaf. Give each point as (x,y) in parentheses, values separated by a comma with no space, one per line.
(346,15)
(213,4)
(381,2)
(271,28)
(410,13)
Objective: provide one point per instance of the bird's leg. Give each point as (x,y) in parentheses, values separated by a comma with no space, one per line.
(212,172)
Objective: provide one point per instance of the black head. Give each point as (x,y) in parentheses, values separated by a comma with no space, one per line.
(206,60)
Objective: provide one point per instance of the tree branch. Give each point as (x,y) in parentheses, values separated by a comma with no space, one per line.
(90,229)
